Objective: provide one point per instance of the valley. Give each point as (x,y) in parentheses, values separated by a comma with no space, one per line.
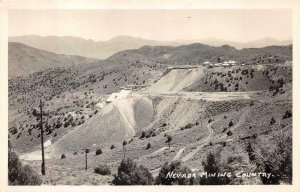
(204,109)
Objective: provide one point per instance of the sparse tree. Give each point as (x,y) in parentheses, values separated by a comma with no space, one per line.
(98,152)
(124,143)
(229,133)
(251,152)
(211,166)
(273,121)
(131,174)
(19,174)
(112,147)
(169,139)
(63,156)
(278,162)
(143,134)
(175,166)
(148,146)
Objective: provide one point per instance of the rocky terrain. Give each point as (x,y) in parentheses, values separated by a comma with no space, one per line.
(203,109)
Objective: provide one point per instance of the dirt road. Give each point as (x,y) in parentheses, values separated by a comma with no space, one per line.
(202,143)
(210,96)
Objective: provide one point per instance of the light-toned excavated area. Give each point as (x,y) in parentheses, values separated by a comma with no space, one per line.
(177,80)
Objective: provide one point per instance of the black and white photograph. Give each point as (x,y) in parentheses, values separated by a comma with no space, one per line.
(109,97)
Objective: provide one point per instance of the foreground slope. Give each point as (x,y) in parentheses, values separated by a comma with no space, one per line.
(118,121)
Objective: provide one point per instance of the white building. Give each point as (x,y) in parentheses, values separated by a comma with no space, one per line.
(217,64)
(118,96)
(225,65)
(230,62)
(206,63)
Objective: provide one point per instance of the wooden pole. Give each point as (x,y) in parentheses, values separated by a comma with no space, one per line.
(86,159)
(124,151)
(42,139)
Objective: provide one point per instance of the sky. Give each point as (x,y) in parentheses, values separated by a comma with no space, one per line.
(163,25)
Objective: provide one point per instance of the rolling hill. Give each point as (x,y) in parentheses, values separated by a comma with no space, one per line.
(197,53)
(24,60)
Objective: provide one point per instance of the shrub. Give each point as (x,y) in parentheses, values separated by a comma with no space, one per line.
(131,174)
(188,126)
(98,152)
(210,120)
(210,166)
(112,147)
(14,130)
(34,112)
(273,121)
(67,124)
(175,167)
(63,156)
(251,152)
(229,133)
(19,174)
(148,146)
(143,134)
(75,153)
(19,135)
(230,124)
(278,162)
(287,114)
(102,170)
(169,139)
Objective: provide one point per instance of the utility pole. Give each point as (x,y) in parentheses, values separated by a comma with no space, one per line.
(42,138)
(86,152)
(86,159)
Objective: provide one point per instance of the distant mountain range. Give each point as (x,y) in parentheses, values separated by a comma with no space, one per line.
(103,49)
(23,59)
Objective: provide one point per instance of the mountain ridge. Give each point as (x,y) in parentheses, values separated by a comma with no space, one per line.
(71,45)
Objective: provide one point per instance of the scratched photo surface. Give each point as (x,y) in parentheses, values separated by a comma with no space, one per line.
(150,97)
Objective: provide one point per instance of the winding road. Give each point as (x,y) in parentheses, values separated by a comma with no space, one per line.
(202,143)
(209,138)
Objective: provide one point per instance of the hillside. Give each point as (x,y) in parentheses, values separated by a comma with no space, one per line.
(194,54)
(204,109)
(24,60)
